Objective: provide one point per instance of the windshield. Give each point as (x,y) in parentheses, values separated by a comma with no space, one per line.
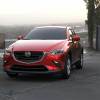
(46,34)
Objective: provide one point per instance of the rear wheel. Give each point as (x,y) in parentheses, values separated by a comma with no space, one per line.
(67,68)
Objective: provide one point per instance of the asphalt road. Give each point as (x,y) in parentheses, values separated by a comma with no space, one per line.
(82,85)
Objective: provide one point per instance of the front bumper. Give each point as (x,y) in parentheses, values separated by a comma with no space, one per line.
(48,61)
(35,73)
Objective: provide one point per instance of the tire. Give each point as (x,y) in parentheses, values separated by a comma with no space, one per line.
(79,64)
(12,75)
(67,68)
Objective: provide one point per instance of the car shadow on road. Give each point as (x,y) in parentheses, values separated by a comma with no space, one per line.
(41,78)
(38,78)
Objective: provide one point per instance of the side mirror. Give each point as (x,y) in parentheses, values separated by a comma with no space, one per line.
(76,38)
(20,37)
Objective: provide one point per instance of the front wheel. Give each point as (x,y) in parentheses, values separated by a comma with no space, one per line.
(79,64)
(67,68)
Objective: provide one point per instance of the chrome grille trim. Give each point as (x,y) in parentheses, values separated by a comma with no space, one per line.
(44,54)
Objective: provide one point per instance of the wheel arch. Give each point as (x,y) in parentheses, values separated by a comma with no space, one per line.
(69,53)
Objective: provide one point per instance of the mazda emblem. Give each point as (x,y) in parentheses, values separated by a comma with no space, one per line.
(27,54)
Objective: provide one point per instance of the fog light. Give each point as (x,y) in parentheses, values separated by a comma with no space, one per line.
(56,63)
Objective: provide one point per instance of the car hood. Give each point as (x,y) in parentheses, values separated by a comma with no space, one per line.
(38,45)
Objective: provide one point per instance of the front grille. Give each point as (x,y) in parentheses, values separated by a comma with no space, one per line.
(34,56)
(29,68)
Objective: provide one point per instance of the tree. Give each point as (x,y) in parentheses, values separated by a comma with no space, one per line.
(97,12)
(93,7)
(91,14)
(97,3)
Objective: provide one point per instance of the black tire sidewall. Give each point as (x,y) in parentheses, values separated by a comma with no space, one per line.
(79,64)
(66,75)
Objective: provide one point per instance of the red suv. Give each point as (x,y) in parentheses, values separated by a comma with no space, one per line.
(46,49)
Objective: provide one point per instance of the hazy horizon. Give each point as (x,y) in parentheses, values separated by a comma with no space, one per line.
(31,12)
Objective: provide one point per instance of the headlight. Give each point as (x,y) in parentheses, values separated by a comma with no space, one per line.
(55,52)
(7,51)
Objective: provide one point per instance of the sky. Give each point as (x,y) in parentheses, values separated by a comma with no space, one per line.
(18,12)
